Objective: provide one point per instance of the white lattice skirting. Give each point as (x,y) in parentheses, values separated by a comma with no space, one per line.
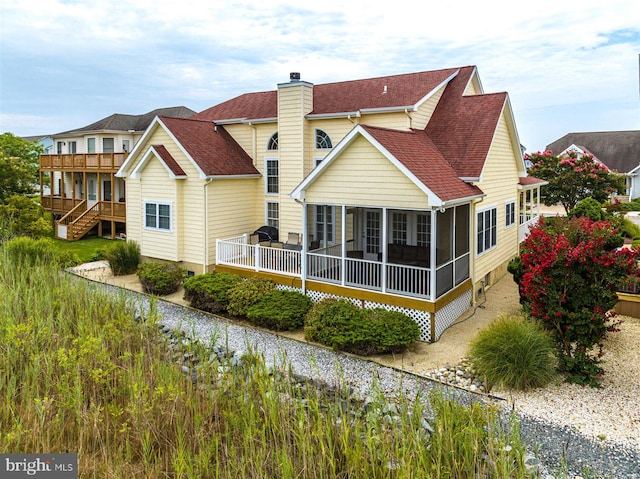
(452,311)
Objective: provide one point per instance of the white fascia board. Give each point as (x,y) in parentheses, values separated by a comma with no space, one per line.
(299,190)
(151,152)
(175,140)
(461,201)
(259,120)
(233,177)
(388,109)
(434,200)
(634,171)
(122,171)
(436,89)
(329,116)
(229,121)
(515,141)
(476,76)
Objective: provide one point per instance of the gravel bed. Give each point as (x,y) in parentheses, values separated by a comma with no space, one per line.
(562,451)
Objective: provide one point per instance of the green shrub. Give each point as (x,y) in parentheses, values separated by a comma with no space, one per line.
(590,208)
(514,352)
(210,291)
(160,278)
(393,331)
(28,251)
(342,325)
(123,257)
(280,310)
(628,228)
(328,318)
(247,293)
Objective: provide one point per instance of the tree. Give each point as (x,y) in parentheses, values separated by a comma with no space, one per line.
(21,216)
(573,178)
(568,273)
(19,164)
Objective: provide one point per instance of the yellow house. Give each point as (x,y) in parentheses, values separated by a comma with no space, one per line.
(406,192)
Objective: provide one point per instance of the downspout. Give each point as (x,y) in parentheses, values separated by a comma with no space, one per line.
(303,259)
(406,112)
(205,192)
(255,143)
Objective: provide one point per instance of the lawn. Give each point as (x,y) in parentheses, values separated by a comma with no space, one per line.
(85,248)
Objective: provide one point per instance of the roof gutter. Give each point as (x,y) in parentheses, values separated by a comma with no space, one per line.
(328,116)
(232,177)
(459,201)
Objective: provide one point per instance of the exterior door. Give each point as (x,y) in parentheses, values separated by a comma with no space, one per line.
(92,196)
(372,232)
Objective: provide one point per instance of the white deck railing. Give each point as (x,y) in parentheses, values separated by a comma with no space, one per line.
(237,252)
(359,273)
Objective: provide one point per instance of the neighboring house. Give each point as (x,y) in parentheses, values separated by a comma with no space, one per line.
(45,140)
(619,151)
(83,193)
(406,192)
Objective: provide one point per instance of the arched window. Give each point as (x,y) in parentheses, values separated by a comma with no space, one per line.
(323,141)
(272,144)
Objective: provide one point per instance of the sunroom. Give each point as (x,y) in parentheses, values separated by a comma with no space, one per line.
(421,253)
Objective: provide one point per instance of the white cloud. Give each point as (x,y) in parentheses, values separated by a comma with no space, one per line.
(107,55)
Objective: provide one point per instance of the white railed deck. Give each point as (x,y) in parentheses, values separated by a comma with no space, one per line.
(237,252)
(398,279)
(365,274)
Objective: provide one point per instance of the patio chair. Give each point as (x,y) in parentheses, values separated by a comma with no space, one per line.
(254,239)
(293,238)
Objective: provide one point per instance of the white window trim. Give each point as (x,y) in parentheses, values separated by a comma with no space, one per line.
(267,159)
(95,145)
(266,212)
(266,148)
(515,213)
(333,225)
(315,138)
(492,247)
(157,228)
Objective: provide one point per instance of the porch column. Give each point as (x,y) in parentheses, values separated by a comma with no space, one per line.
(383,273)
(432,252)
(343,240)
(305,245)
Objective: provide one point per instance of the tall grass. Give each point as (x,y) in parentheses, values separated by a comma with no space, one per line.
(123,257)
(77,374)
(514,352)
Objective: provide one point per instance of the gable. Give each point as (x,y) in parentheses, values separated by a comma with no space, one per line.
(363,176)
(208,148)
(161,155)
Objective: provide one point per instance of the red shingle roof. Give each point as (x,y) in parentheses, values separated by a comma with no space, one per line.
(171,163)
(212,148)
(417,152)
(462,127)
(530,181)
(341,97)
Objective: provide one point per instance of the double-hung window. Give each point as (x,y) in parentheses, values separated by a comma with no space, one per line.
(157,216)
(487,229)
(271,166)
(273,214)
(509,213)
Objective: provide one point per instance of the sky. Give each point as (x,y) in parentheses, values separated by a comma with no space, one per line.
(568,65)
